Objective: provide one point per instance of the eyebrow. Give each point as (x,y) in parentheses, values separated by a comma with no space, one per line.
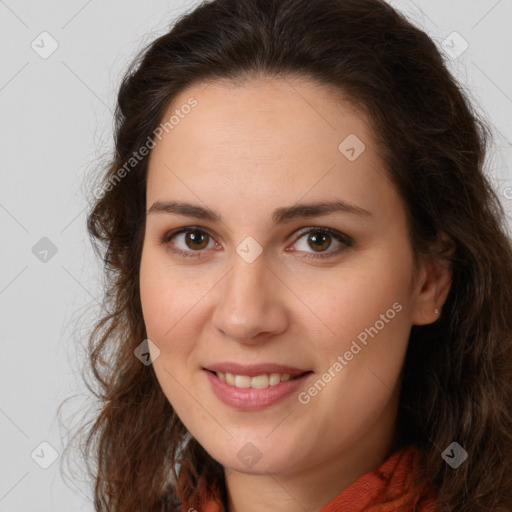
(279,215)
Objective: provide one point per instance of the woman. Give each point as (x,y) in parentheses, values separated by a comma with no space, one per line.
(309,274)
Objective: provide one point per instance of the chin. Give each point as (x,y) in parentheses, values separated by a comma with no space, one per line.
(247,458)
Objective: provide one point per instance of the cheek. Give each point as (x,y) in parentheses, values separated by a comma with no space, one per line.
(365,313)
(174,302)
(348,301)
(165,303)
(154,297)
(167,296)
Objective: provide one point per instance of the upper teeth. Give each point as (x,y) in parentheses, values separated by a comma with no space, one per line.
(258,382)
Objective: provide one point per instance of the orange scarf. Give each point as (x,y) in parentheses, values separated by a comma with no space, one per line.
(385,489)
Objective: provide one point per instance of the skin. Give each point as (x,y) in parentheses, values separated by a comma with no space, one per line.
(243,151)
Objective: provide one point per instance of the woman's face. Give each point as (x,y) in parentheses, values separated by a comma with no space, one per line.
(279,344)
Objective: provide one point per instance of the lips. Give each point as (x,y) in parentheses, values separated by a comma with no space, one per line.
(254,370)
(253,387)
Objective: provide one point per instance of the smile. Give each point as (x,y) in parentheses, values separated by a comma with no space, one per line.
(258,382)
(256,392)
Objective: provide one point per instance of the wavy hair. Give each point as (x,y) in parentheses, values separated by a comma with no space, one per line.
(456,383)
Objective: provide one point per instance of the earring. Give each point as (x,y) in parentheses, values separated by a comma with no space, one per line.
(436,311)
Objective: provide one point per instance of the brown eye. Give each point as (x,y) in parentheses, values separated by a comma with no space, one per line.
(196,239)
(188,242)
(319,240)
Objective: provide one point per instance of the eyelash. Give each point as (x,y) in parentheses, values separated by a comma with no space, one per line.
(340,237)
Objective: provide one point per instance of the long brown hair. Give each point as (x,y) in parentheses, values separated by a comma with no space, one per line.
(457,384)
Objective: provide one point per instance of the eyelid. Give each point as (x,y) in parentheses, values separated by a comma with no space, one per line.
(168,236)
(331,231)
(337,235)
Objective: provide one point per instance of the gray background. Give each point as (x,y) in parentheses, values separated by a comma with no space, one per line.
(55,125)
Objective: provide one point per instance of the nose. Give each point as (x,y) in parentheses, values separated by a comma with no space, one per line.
(250,308)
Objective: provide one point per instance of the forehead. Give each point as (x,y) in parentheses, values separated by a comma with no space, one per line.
(279,138)
(254,111)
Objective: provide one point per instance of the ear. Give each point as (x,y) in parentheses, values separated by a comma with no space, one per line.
(432,286)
